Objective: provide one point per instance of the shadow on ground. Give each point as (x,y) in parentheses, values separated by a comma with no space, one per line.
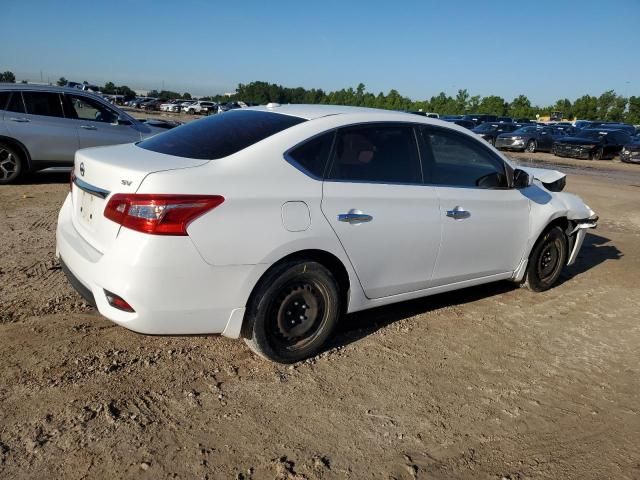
(355,326)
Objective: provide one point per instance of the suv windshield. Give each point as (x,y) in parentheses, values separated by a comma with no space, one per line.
(220,135)
(526,130)
(486,127)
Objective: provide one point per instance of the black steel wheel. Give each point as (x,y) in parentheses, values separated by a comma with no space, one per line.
(292,312)
(547,260)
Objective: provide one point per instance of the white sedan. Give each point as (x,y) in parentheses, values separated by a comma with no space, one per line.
(270,223)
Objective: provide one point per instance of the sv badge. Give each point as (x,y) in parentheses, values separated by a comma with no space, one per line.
(126,182)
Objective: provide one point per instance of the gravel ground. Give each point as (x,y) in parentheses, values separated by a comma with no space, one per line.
(490,382)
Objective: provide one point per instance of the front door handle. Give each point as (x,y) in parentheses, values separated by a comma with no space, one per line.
(458,213)
(20,120)
(88,127)
(354,217)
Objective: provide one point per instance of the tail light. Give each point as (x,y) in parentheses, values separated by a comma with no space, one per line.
(159,214)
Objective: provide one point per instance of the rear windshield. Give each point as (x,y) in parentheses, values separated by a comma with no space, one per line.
(220,135)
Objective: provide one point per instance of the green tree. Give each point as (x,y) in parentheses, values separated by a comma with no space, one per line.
(586,108)
(186,96)
(153,93)
(494,105)
(462,102)
(520,107)
(633,115)
(7,77)
(62,82)
(109,88)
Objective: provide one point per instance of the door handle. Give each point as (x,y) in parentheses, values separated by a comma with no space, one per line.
(458,213)
(20,120)
(354,217)
(88,127)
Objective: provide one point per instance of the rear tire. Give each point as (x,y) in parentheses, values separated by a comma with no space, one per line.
(547,260)
(292,312)
(597,155)
(11,164)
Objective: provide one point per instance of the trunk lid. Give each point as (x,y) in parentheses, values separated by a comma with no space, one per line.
(101,172)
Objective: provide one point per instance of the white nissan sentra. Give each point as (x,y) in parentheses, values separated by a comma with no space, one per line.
(270,223)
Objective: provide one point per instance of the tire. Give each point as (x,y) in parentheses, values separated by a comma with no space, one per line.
(597,155)
(547,260)
(493,142)
(531,146)
(303,293)
(11,164)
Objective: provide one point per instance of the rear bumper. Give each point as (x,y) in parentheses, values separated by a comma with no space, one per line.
(171,288)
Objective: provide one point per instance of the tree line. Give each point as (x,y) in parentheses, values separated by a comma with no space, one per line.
(607,106)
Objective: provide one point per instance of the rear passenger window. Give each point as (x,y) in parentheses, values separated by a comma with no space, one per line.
(4,99)
(15,103)
(312,156)
(458,161)
(376,153)
(43,103)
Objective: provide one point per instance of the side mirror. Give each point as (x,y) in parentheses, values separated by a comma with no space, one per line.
(123,121)
(522,179)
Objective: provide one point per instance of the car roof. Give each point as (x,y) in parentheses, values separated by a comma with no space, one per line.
(37,87)
(311,112)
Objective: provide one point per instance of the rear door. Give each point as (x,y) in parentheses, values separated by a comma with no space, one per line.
(485,224)
(386,220)
(96,123)
(36,119)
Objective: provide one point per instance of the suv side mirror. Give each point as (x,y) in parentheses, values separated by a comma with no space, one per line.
(123,121)
(522,179)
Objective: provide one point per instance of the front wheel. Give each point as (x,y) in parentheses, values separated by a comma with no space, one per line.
(546,261)
(292,312)
(597,155)
(531,146)
(11,164)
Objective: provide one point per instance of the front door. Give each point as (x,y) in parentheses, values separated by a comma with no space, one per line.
(97,124)
(485,224)
(387,221)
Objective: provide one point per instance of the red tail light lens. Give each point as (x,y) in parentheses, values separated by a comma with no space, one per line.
(159,214)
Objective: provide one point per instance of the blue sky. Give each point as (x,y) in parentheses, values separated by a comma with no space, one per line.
(544,49)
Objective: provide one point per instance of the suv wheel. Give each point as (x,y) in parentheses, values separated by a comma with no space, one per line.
(292,312)
(10,164)
(531,146)
(547,260)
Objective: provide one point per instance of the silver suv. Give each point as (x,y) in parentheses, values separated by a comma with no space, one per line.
(43,126)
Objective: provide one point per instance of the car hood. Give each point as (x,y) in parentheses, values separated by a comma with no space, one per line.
(545,175)
(578,141)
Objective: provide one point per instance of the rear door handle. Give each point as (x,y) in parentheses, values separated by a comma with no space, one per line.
(20,120)
(354,217)
(88,127)
(458,213)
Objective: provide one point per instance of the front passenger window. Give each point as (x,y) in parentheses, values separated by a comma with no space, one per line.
(85,108)
(461,162)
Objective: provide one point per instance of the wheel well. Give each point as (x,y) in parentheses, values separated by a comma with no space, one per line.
(329,261)
(19,146)
(561,222)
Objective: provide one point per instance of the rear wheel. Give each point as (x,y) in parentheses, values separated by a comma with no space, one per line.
(597,155)
(292,312)
(11,164)
(546,261)
(531,146)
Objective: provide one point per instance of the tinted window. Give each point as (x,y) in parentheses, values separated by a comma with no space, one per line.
(85,108)
(15,103)
(4,98)
(313,155)
(457,160)
(43,103)
(220,135)
(376,153)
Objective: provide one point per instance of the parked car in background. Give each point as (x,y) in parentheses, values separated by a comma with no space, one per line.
(153,105)
(225,107)
(468,124)
(490,130)
(479,118)
(262,223)
(530,138)
(523,120)
(630,153)
(199,107)
(43,126)
(138,102)
(592,144)
(450,118)
(504,119)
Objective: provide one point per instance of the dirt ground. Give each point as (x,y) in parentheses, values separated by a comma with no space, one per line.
(491,382)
